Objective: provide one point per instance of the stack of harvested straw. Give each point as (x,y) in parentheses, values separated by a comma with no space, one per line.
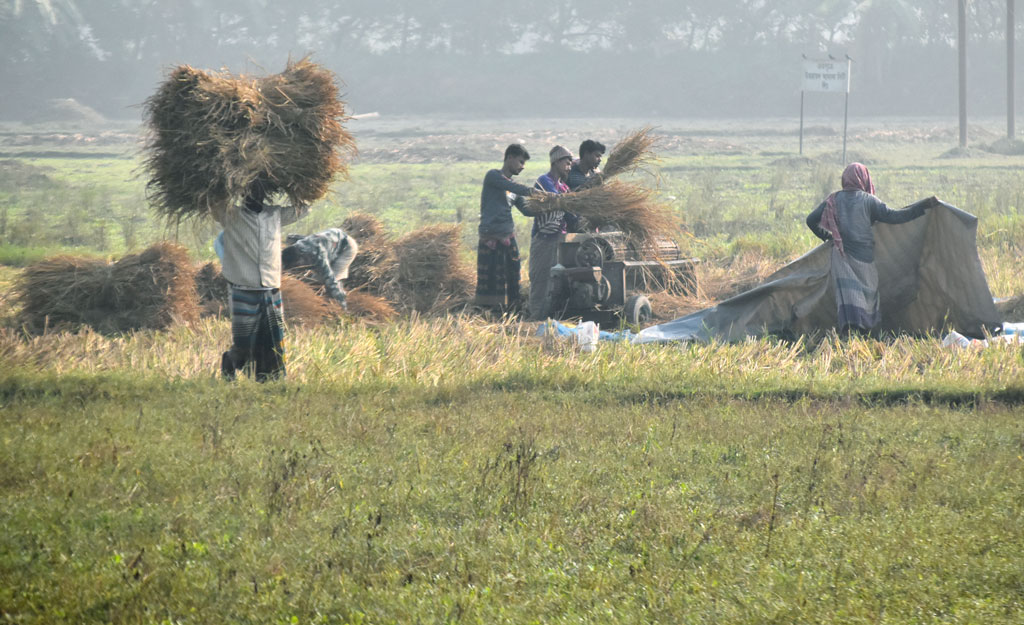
(370,307)
(154,289)
(302,305)
(363,227)
(425,273)
(213,291)
(615,205)
(214,136)
(375,248)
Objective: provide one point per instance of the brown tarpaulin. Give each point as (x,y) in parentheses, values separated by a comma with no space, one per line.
(929,275)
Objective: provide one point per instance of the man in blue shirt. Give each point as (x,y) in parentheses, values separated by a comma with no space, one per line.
(548,232)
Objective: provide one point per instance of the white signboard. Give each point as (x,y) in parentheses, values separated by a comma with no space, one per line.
(826,75)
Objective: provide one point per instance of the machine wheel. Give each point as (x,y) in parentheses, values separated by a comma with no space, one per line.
(637,310)
(593,253)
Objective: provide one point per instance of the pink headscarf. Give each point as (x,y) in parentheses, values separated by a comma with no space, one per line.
(855,177)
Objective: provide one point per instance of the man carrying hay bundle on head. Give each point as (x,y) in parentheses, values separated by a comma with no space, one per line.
(586,165)
(329,254)
(252,266)
(217,140)
(498,265)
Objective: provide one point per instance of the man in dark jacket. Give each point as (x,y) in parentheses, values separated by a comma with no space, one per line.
(498,264)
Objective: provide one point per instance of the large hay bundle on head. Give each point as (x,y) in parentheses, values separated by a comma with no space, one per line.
(634,150)
(154,289)
(616,206)
(214,135)
(425,273)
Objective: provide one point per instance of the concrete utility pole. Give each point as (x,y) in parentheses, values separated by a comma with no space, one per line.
(1011,34)
(962,66)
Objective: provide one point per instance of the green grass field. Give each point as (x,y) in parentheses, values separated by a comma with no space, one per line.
(460,470)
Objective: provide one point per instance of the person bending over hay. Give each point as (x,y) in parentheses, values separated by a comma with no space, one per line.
(329,254)
(252,266)
(845,218)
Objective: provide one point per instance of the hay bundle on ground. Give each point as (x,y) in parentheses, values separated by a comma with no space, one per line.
(615,205)
(360,303)
(213,135)
(374,251)
(425,272)
(154,289)
(367,270)
(371,307)
(303,307)
(213,291)
(631,152)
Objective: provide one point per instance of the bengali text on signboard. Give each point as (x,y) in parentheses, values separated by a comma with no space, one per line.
(827,75)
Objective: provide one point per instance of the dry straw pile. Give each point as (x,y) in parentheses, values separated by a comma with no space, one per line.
(375,248)
(424,272)
(615,205)
(214,135)
(154,289)
(633,151)
(303,306)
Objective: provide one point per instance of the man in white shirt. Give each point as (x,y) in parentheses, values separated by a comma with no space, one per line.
(252,266)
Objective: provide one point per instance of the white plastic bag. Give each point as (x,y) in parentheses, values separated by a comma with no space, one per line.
(586,336)
(955,339)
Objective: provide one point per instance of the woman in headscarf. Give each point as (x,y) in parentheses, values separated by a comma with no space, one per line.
(845,218)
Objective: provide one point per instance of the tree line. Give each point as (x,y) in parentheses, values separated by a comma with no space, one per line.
(599,57)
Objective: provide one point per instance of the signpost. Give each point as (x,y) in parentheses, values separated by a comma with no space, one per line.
(827,76)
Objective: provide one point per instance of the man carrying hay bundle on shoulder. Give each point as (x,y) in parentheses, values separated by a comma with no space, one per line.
(498,264)
(329,254)
(252,266)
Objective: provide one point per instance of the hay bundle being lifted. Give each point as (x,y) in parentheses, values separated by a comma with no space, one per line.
(154,289)
(633,151)
(214,135)
(425,272)
(615,205)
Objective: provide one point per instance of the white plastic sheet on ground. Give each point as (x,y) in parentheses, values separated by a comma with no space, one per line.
(929,275)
